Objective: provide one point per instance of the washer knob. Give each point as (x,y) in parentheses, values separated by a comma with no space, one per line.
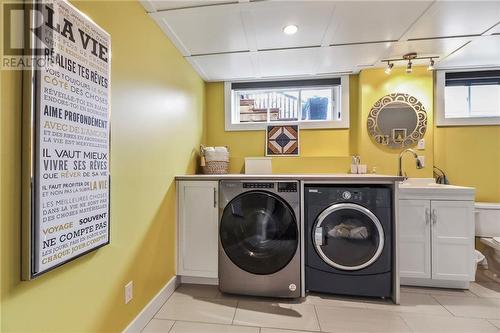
(292,287)
(346,195)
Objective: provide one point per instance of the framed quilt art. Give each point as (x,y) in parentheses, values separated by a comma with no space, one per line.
(282,140)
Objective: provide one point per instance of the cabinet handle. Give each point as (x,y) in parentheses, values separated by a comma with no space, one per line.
(427,216)
(215,197)
(434,216)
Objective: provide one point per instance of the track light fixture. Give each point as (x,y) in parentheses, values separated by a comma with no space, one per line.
(408,67)
(409,57)
(431,65)
(388,70)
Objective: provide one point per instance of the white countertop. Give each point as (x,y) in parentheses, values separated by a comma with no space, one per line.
(428,189)
(341,177)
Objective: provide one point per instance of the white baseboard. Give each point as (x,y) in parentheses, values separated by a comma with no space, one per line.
(421,282)
(152,307)
(199,280)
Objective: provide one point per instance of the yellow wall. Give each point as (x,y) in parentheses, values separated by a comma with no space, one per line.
(470,156)
(324,151)
(157,125)
(374,84)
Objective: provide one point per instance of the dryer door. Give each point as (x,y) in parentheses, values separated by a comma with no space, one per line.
(348,236)
(259,232)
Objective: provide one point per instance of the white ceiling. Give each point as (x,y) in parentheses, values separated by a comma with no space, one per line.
(233,40)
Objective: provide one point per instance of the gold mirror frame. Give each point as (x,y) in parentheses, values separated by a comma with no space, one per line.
(387,140)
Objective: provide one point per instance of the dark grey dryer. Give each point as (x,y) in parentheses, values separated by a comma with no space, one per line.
(348,239)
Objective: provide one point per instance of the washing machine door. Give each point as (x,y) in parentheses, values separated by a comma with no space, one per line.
(259,232)
(348,236)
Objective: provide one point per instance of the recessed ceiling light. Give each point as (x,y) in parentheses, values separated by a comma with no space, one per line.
(290,29)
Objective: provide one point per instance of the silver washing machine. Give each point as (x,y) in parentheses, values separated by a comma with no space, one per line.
(259,238)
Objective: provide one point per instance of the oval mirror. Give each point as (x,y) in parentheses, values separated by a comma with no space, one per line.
(397,121)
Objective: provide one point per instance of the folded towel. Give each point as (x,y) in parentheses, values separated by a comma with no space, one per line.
(210,156)
(221,149)
(216,154)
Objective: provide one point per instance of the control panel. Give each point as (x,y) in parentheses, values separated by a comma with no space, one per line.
(279,186)
(350,195)
(259,185)
(287,187)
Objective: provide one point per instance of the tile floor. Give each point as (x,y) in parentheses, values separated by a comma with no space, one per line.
(196,308)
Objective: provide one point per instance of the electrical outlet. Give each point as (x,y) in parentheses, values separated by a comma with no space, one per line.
(421,144)
(422,160)
(129,292)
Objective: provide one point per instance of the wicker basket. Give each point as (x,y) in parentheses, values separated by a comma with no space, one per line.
(216,168)
(213,167)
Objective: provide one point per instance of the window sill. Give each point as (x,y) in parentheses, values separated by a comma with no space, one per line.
(344,124)
(483,121)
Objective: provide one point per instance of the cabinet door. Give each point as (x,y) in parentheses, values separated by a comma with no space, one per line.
(197,228)
(452,240)
(414,238)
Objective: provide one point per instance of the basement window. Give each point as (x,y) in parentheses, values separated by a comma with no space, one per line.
(313,103)
(468,98)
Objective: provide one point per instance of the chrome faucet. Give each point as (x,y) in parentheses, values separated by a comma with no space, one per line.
(418,163)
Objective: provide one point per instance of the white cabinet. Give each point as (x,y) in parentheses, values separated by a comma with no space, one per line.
(197,228)
(452,240)
(436,242)
(415,238)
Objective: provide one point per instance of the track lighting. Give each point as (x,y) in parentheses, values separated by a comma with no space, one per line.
(388,70)
(431,65)
(408,67)
(409,57)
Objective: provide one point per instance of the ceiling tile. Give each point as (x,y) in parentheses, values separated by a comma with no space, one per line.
(436,47)
(350,57)
(371,21)
(456,18)
(168,4)
(494,30)
(483,51)
(287,62)
(266,21)
(203,30)
(225,66)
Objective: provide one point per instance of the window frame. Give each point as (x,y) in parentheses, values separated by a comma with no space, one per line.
(343,123)
(439,91)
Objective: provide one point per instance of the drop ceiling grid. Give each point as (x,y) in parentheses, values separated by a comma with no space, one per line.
(255,29)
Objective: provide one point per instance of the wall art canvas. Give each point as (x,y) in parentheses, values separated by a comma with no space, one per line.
(68,174)
(282,140)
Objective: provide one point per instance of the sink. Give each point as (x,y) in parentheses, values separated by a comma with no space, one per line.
(428,186)
(419,182)
(429,183)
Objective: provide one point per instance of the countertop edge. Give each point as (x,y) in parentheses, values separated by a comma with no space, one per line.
(302,177)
